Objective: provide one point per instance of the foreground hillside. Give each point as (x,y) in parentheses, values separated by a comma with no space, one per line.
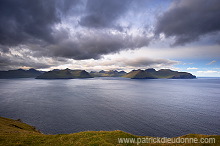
(14,132)
(163,73)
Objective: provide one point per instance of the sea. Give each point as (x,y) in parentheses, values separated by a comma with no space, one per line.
(146,107)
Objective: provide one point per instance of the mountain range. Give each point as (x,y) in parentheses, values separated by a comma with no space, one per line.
(72,74)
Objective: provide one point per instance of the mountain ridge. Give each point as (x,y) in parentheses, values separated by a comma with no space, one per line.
(149,73)
(64,74)
(160,74)
(20,73)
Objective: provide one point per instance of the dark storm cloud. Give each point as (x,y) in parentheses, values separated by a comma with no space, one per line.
(188,20)
(94,44)
(32,23)
(102,13)
(27,20)
(4,49)
(23,19)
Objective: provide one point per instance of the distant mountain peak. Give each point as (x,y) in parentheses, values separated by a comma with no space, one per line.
(150,70)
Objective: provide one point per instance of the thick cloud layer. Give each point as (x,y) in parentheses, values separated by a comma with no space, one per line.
(33,32)
(23,20)
(188,20)
(34,24)
(101,14)
(27,21)
(93,44)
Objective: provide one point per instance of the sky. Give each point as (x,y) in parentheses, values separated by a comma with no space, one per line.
(182,35)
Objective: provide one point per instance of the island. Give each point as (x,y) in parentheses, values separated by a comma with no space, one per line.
(160,74)
(20,73)
(64,74)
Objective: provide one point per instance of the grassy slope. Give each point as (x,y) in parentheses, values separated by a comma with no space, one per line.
(13,132)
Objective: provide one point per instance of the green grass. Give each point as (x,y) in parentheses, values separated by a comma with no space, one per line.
(13,132)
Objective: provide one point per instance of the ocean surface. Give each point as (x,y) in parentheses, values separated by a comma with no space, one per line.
(155,107)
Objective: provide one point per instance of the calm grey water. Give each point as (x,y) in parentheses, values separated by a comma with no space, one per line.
(158,107)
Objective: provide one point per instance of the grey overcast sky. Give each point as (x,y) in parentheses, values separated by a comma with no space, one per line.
(182,35)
